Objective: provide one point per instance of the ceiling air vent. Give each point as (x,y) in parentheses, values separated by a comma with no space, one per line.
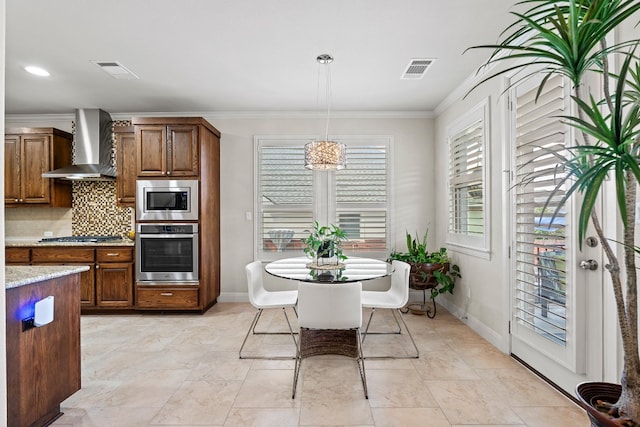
(416,69)
(115,70)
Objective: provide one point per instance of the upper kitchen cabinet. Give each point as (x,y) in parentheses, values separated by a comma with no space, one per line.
(167,147)
(126,165)
(29,152)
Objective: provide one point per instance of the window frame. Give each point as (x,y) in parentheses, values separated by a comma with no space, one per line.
(324,204)
(478,245)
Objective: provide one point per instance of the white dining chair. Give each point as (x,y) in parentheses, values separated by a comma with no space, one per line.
(262,299)
(330,318)
(395,298)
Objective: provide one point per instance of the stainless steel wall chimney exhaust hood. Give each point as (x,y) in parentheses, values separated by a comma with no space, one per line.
(93,144)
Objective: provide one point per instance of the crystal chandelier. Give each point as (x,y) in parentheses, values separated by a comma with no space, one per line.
(325,155)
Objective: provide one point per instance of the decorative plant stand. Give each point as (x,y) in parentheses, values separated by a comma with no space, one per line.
(424,307)
(422,279)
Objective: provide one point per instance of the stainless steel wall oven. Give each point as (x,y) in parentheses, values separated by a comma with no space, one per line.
(166,252)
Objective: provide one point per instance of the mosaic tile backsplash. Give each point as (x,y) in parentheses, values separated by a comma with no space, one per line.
(95,211)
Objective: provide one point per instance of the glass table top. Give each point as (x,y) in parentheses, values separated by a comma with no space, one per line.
(355,269)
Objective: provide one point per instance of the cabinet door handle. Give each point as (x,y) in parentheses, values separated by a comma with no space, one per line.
(113,253)
(97,266)
(168,172)
(166,294)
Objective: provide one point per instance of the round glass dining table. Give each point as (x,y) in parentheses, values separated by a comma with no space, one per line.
(353,269)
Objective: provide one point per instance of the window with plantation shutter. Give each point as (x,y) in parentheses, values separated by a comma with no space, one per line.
(285,191)
(362,195)
(540,288)
(468,180)
(290,197)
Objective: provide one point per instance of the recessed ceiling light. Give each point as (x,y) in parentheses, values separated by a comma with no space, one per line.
(36,71)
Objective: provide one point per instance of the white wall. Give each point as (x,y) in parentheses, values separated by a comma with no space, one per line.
(484,280)
(412,182)
(413,189)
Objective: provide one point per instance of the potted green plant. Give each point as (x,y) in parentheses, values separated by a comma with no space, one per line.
(430,271)
(324,244)
(569,38)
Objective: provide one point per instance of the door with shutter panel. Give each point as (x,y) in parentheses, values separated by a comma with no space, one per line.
(556,317)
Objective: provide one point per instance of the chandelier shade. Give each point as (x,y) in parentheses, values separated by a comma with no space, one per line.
(325,155)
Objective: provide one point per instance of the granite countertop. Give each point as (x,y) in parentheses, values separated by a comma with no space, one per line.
(16,276)
(30,243)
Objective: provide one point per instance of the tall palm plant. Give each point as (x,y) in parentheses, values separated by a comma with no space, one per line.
(568,37)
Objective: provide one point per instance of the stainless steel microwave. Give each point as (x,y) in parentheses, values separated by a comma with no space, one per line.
(166,200)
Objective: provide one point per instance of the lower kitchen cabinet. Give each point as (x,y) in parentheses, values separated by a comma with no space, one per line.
(114,278)
(108,284)
(17,256)
(167,297)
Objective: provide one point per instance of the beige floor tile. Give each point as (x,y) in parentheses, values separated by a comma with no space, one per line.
(404,417)
(220,366)
(183,370)
(484,356)
(268,417)
(571,416)
(472,402)
(443,365)
(398,389)
(268,388)
(107,417)
(335,411)
(523,388)
(198,402)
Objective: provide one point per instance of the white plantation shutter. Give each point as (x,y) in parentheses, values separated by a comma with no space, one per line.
(362,195)
(289,196)
(285,189)
(467,179)
(540,288)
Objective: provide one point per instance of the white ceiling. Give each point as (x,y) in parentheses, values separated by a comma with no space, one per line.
(243,55)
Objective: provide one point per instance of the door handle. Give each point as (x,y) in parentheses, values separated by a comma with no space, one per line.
(589,264)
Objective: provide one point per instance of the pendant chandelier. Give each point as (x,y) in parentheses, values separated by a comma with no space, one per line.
(325,155)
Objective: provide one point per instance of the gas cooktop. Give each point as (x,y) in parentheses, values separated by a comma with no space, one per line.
(79,239)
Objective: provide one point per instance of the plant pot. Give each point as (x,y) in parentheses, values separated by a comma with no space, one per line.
(590,392)
(421,276)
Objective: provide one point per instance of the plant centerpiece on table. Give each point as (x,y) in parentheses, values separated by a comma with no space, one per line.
(430,271)
(569,38)
(324,246)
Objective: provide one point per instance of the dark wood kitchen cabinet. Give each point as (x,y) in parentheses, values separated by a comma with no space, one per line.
(126,164)
(169,147)
(43,364)
(29,152)
(71,256)
(184,297)
(114,278)
(167,150)
(17,256)
(108,284)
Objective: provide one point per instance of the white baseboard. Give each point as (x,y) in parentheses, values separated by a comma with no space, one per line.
(494,338)
(233,297)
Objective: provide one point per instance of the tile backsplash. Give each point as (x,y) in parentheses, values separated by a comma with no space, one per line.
(95,211)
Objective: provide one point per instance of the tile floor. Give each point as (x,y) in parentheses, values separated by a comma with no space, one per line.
(183,370)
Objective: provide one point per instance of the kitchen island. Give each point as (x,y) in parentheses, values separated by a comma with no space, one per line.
(43,363)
